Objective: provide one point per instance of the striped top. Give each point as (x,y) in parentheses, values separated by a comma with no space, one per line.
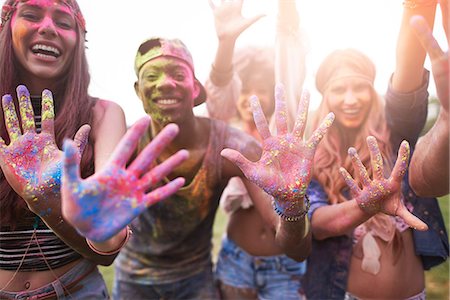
(32,246)
(36,102)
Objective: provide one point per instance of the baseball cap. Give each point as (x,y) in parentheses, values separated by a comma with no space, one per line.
(157,47)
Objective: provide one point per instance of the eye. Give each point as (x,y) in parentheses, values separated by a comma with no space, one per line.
(360,87)
(179,76)
(65,24)
(151,77)
(30,16)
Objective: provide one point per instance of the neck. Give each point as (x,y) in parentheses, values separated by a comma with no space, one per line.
(36,85)
(189,133)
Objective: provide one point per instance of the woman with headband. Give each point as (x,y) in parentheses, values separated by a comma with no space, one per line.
(41,255)
(362,249)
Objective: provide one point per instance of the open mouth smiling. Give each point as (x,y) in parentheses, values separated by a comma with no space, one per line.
(45,51)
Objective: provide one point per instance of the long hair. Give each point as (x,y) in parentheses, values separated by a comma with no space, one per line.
(328,158)
(73,108)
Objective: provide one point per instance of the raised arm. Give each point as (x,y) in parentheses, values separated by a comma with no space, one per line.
(429,170)
(229,24)
(371,196)
(283,172)
(407,96)
(290,54)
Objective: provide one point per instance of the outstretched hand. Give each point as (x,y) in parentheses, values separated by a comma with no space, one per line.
(228,18)
(381,194)
(31,161)
(285,167)
(104,203)
(439,59)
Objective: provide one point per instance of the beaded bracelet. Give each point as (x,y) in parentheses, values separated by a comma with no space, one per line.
(292,218)
(125,240)
(411,4)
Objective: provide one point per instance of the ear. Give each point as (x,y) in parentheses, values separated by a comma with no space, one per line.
(197,89)
(136,89)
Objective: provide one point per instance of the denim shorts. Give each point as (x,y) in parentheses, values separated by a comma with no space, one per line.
(270,277)
(199,286)
(91,286)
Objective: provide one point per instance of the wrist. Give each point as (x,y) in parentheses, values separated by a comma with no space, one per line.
(116,250)
(292,211)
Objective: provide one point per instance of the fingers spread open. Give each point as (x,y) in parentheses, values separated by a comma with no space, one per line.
(320,132)
(260,119)
(411,219)
(376,158)
(163,192)
(302,115)
(401,165)
(11,120)
(48,114)
(129,141)
(359,167)
(154,149)
(162,170)
(280,110)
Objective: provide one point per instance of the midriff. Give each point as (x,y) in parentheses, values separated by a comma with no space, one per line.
(31,280)
(396,280)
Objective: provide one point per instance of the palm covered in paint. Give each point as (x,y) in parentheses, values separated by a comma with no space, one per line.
(32,162)
(103,204)
(285,167)
(381,194)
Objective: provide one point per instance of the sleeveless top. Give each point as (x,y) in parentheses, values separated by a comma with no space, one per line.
(31,245)
(172,239)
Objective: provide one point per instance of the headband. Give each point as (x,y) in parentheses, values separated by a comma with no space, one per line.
(10,6)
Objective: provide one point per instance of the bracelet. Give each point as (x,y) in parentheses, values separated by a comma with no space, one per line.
(411,4)
(295,217)
(125,240)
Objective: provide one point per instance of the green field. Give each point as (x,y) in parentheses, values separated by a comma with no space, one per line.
(437,279)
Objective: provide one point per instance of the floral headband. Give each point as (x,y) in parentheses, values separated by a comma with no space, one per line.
(10,6)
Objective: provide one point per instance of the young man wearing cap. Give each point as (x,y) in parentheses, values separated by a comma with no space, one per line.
(169,254)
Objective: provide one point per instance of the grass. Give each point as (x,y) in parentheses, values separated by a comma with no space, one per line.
(437,279)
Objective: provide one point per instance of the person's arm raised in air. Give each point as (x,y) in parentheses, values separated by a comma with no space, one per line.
(33,166)
(429,170)
(283,171)
(290,53)
(372,196)
(407,96)
(222,91)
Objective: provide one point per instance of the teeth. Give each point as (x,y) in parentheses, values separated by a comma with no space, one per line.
(351,111)
(46,48)
(167,101)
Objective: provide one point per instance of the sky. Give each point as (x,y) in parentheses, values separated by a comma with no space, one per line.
(116,29)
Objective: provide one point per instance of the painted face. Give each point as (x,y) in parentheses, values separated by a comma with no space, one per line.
(263,91)
(167,89)
(349,97)
(44,37)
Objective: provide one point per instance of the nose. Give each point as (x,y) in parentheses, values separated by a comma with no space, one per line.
(350,97)
(47,27)
(165,82)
